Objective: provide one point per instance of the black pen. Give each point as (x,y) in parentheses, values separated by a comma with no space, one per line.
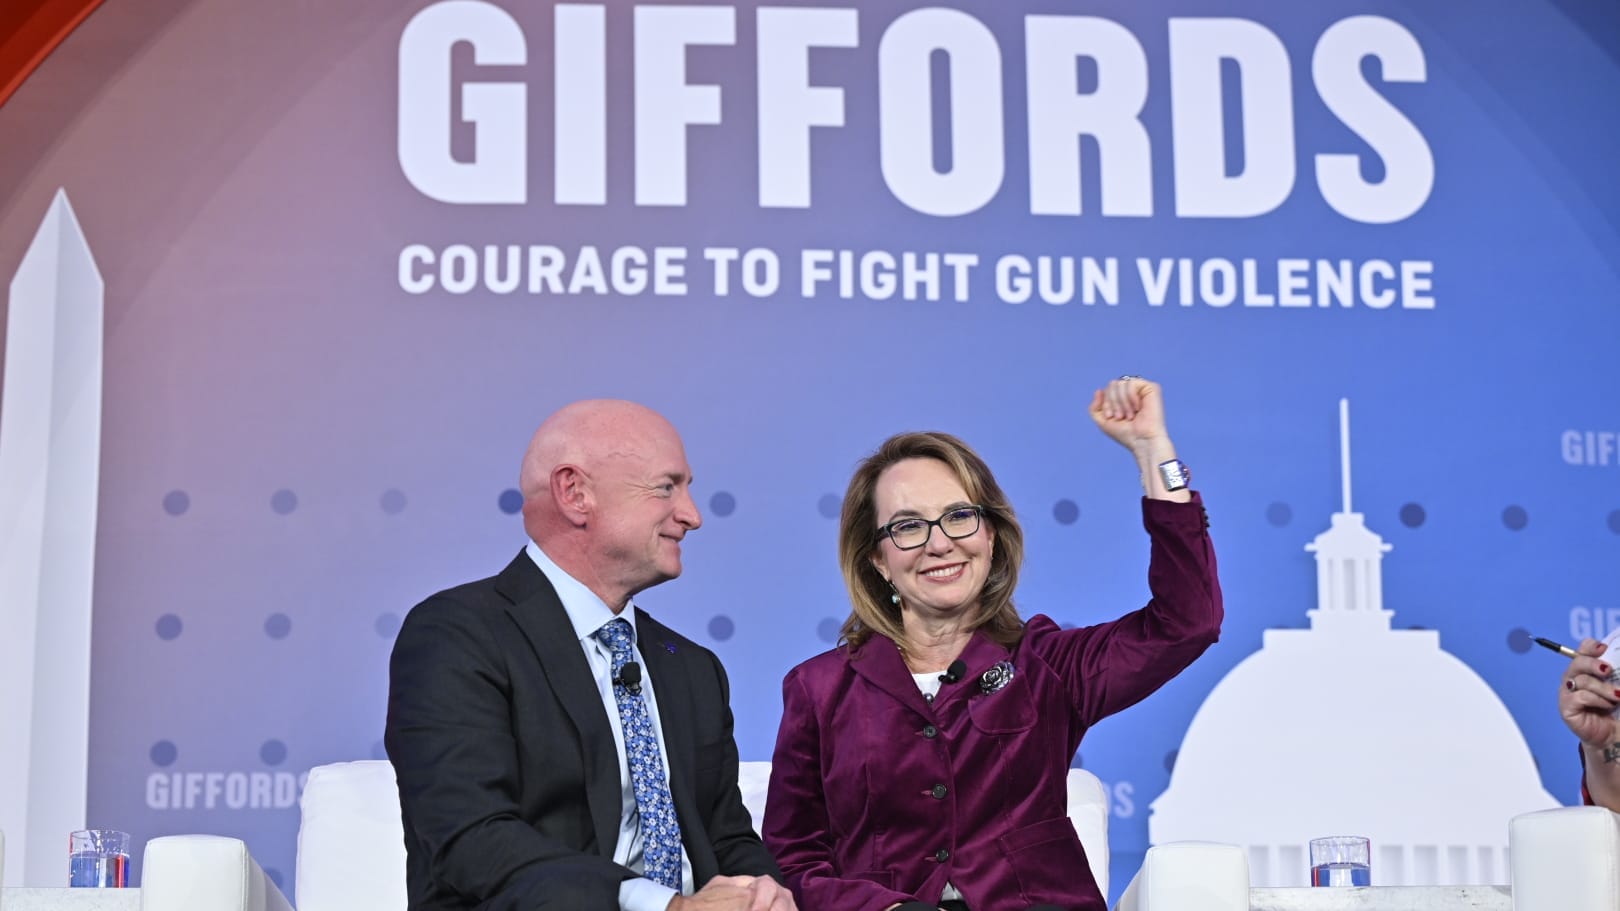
(1564,650)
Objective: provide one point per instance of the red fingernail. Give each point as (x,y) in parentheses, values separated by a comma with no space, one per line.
(1603,667)
(1569,684)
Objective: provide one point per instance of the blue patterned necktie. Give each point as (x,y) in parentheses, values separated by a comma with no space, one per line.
(660,833)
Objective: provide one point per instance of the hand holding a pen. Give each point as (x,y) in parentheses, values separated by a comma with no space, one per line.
(1587,700)
(1588,697)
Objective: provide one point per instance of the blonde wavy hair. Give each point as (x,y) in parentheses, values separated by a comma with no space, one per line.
(871,608)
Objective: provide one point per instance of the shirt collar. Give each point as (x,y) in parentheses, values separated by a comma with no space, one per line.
(586,612)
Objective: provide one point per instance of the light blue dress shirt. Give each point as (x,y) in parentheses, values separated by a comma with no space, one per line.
(588,613)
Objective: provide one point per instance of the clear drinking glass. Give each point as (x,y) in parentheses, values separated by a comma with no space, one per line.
(1341,860)
(98,858)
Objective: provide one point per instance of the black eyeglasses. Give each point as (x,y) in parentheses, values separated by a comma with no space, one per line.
(911,533)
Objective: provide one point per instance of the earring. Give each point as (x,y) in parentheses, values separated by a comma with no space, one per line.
(894,594)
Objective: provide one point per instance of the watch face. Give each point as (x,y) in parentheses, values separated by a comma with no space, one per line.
(1175,474)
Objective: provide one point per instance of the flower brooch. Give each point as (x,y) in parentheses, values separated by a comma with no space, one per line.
(999,675)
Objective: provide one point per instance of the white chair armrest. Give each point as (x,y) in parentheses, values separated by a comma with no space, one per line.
(1088,812)
(205,873)
(1185,875)
(753,780)
(1568,859)
(351,840)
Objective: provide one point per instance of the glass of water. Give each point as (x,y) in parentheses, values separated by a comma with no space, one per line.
(1341,860)
(98,858)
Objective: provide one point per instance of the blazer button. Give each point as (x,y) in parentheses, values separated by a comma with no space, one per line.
(939,792)
(930,731)
(942,855)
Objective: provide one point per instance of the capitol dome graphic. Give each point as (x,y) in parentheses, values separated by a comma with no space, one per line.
(1353,728)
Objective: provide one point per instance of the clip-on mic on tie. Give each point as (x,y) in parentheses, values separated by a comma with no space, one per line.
(629,677)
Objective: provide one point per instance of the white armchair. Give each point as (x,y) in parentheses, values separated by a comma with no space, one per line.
(351,847)
(1566,859)
(351,854)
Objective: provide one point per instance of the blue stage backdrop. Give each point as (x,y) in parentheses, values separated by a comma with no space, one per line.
(355,251)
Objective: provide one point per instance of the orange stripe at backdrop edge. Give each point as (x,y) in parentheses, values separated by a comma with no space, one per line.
(29,31)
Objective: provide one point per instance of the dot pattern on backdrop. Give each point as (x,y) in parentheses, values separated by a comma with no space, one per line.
(721,627)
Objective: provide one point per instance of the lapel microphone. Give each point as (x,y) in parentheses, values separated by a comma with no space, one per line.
(954,672)
(629,677)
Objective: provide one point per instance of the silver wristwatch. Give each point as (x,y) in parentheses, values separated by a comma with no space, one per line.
(1175,474)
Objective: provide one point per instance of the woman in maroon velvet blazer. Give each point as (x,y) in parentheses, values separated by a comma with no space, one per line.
(923,762)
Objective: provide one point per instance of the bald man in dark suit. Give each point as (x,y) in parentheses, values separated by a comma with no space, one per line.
(556,746)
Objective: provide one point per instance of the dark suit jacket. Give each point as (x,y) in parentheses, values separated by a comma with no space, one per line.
(878,796)
(508,774)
